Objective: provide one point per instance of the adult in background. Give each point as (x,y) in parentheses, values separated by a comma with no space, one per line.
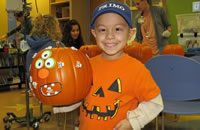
(72,34)
(21,27)
(152,26)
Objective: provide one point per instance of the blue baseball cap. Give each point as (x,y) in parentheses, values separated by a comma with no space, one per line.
(114,7)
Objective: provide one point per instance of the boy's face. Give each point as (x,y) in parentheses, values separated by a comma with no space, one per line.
(112,33)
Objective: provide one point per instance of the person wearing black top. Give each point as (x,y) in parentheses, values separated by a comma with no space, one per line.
(72,34)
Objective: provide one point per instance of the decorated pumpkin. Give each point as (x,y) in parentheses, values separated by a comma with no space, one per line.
(60,76)
(173,49)
(139,51)
(91,50)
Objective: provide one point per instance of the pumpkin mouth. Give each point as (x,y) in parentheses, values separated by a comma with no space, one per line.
(51,89)
(104,115)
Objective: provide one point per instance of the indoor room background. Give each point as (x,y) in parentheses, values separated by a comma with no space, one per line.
(173,8)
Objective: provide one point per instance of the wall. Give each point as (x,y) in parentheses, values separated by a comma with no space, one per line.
(43,7)
(80,12)
(4,18)
(175,7)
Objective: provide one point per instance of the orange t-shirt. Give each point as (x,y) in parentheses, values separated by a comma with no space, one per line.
(118,87)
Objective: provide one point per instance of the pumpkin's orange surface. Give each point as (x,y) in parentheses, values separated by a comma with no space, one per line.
(91,50)
(139,51)
(173,49)
(60,76)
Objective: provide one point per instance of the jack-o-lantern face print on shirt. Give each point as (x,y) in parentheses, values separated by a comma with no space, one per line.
(111,109)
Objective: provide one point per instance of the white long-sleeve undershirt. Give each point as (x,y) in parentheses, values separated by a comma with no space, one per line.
(145,112)
(66,108)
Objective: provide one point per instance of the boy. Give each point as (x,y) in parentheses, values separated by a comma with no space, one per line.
(123,95)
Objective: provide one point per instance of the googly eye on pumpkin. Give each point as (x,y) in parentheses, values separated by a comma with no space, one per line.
(50,63)
(46,54)
(39,63)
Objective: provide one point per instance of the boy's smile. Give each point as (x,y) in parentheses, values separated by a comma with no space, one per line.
(111,33)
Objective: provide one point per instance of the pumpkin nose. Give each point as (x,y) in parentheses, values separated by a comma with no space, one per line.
(43,73)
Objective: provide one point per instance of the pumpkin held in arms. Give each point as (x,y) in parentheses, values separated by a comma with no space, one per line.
(60,76)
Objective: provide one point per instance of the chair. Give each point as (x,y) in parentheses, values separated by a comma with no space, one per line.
(196,58)
(178,79)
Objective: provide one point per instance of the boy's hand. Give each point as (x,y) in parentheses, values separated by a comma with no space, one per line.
(123,125)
